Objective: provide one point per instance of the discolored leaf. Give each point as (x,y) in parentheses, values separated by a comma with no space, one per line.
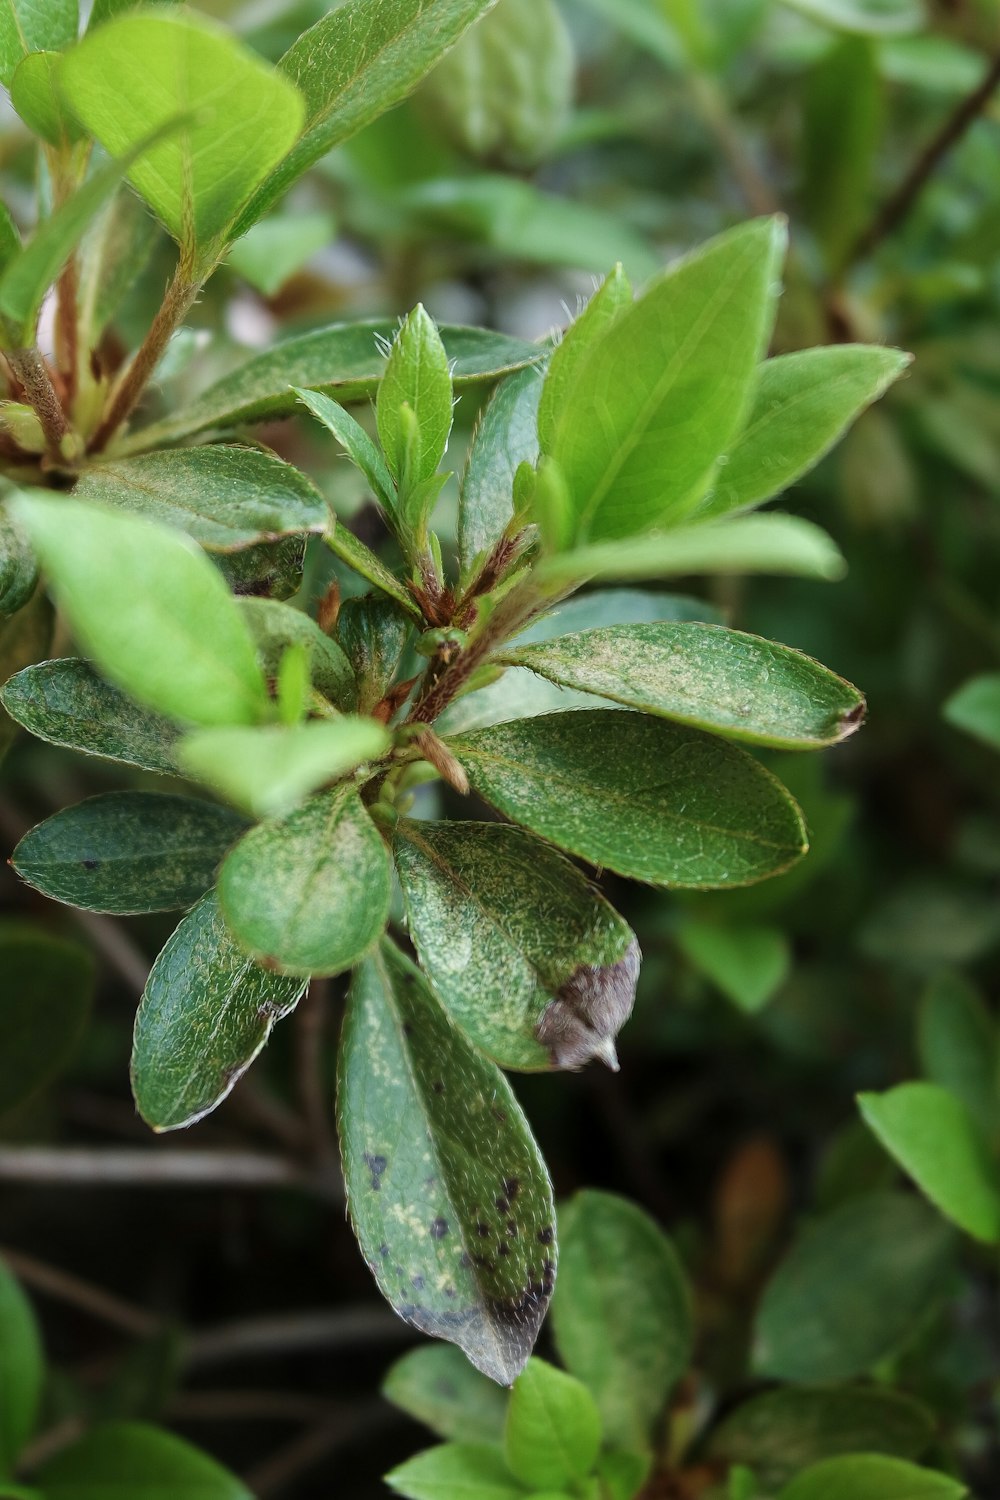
(67,703)
(447,1191)
(136,1462)
(373,633)
(206,1013)
(871,1477)
(309,894)
(553,1431)
(436,1385)
(22,1371)
(524,954)
(44,1003)
(505,436)
(650,800)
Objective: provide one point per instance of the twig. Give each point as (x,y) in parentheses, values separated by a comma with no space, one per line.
(149,1167)
(67,293)
(47,1444)
(318,1329)
(247,1406)
(757,192)
(29,367)
(275,1475)
(896,208)
(66,1287)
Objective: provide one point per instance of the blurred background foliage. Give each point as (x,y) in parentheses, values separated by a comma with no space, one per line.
(556,140)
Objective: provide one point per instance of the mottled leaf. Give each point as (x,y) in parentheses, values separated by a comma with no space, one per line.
(436,1385)
(18,567)
(373,633)
(67,703)
(447,1191)
(505,436)
(136,1462)
(22,1370)
(44,1003)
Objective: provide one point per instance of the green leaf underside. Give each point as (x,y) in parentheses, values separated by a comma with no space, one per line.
(780,1432)
(275,626)
(353,65)
(128,852)
(33,26)
(151,609)
(22,1370)
(871,1477)
(225,498)
(242,116)
(937,1141)
(66,703)
(505,436)
(650,800)
(447,1190)
(206,1013)
(718,679)
(436,1385)
(664,391)
(139,1463)
(622,1313)
(456,1471)
(501,922)
(851,1287)
(553,1431)
(802,404)
(309,894)
(342,361)
(47,984)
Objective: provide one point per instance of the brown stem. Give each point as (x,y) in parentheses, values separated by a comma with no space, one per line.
(898,206)
(67,350)
(29,367)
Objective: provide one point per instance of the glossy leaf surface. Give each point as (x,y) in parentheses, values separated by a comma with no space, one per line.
(67,703)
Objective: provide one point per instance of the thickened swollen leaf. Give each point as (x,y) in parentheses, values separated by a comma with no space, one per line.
(151,609)
(309,894)
(666,389)
(128,852)
(654,801)
(206,1013)
(721,680)
(524,954)
(447,1190)
(136,73)
(44,1001)
(66,703)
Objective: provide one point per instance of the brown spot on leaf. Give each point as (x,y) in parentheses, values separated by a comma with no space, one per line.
(439,1228)
(376,1166)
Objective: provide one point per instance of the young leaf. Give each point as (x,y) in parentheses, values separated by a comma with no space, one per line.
(309,894)
(151,609)
(448,1194)
(276,627)
(136,1462)
(646,799)
(802,404)
(353,65)
(456,1471)
(553,1430)
(22,1370)
(505,436)
(747,962)
(935,1139)
(524,954)
(44,1006)
(745,544)
(868,1476)
(959,1044)
(273,250)
(565,379)
(135,73)
(851,1288)
(975,707)
(267,771)
(35,95)
(665,389)
(66,703)
(413,409)
(206,1013)
(720,680)
(26,26)
(436,1385)
(356,443)
(225,498)
(782,1431)
(128,852)
(622,1313)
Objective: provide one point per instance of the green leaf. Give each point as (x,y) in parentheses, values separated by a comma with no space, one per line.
(455,1471)
(721,680)
(447,1191)
(135,73)
(35,95)
(29,26)
(959,1044)
(623,1474)
(151,609)
(106,10)
(275,627)
(842,130)
(782,1431)
(647,26)
(871,1477)
(650,800)
(413,409)
(436,1385)
(44,1007)
(206,1013)
(136,1462)
(975,707)
(22,1370)
(747,963)
(864,17)
(66,703)
(353,65)
(309,894)
(505,436)
(18,567)
(24,638)
(364,561)
(267,771)
(128,852)
(225,498)
(374,634)
(521,950)
(566,377)
(745,544)
(852,1288)
(803,403)
(622,1313)
(666,388)
(356,443)
(553,1430)
(272,252)
(342,361)
(936,1140)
